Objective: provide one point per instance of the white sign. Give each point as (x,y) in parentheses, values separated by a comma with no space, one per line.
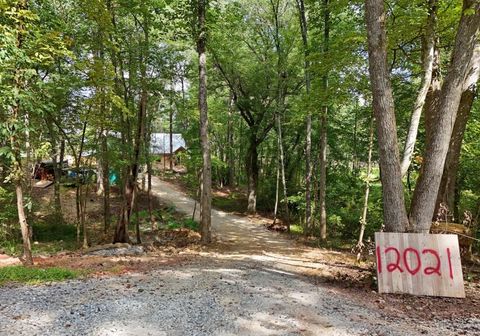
(419,264)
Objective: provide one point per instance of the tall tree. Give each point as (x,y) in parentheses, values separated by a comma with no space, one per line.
(448,185)
(308,140)
(394,212)
(428,184)
(428,56)
(322,189)
(206,195)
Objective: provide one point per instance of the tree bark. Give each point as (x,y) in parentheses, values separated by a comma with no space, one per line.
(78,182)
(206,196)
(446,194)
(252,175)
(277,191)
(322,183)
(230,141)
(281,77)
(432,99)
(282,171)
(426,191)
(105,182)
(394,212)
(22,218)
(170,130)
(427,67)
(58,178)
(363,219)
(323,129)
(148,158)
(308,140)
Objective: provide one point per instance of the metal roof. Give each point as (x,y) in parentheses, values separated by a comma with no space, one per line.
(160,143)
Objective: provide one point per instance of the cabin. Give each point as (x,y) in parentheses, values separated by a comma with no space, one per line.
(160,147)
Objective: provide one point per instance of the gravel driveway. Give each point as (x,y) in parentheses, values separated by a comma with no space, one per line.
(204,297)
(252,290)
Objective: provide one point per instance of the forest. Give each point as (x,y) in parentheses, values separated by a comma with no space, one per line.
(332,119)
(129,124)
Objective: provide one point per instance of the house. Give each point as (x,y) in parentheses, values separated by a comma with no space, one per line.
(160,146)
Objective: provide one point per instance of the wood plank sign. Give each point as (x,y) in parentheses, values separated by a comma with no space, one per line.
(419,264)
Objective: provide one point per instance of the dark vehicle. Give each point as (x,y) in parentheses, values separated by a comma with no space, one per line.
(83,174)
(45,170)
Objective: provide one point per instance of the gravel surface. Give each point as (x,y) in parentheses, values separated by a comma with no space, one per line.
(202,298)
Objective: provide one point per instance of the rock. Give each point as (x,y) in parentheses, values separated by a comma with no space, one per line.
(6,260)
(117,250)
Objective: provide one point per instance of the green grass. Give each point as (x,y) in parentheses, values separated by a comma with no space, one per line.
(186,223)
(32,275)
(171,219)
(296,229)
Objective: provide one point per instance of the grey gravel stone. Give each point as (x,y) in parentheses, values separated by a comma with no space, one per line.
(250,299)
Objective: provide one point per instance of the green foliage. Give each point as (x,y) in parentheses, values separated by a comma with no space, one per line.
(33,275)
(9,230)
(66,63)
(344,202)
(172,221)
(52,231)
(185,223)
(296,229)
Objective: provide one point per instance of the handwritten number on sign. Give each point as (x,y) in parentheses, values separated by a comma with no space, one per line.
(395,265)
(401,257)
(436,269)
(405,260)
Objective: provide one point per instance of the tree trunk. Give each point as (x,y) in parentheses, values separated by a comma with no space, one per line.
(58,178)
(27,248)
(78,182)
(308,141)
(105,182)
(426,191)
(206,196)
(130,189)
(83,217)
(22,218)
(17,168)
(170,129)
(230,149)
(100,173)
(323,129)
(282,171)
(432,99)
(427,67)
(277,192)
(322,183)
(148,132)
(57,160)
(394,212)
(252,175)
(446,194)
(363,219)
(281,77)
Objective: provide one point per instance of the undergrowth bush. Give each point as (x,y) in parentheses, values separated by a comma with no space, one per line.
(9,228)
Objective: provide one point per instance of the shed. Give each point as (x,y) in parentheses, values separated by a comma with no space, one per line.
(160,145)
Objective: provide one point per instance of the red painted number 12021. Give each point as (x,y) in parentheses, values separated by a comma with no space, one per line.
(401,261)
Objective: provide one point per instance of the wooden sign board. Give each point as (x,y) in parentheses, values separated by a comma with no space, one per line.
(419,264)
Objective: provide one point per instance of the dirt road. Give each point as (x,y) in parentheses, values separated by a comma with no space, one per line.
(242,234)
